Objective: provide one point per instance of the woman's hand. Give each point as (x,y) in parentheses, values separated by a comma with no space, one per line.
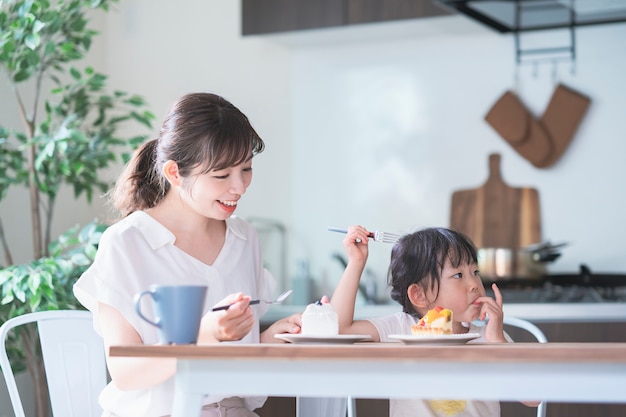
(230,324)
(291,325)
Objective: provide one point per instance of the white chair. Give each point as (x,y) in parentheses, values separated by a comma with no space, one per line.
(526,325)
(509,321)
(74,361)
(541,338)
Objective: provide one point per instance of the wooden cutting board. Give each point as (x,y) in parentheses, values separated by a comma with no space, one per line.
(495,214)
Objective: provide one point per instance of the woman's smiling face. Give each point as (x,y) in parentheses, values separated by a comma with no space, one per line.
(216,194)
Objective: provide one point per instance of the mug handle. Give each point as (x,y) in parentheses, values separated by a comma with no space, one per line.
(138,298)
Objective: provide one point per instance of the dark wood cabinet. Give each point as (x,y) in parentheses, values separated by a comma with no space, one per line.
(271,16)
(370,11)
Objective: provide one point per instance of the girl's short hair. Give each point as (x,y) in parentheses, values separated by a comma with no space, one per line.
(419,258)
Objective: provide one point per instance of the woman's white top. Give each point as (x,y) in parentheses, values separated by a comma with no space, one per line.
(138,252)
(400,323)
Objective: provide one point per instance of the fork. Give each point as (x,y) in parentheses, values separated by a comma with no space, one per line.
(278,300)
(378,236)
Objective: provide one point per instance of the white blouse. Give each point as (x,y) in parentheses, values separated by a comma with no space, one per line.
(138,252)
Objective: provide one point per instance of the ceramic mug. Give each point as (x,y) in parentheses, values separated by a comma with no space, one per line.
(178,311)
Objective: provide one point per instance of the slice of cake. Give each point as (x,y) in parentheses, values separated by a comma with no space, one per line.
(319,320)
(435,321)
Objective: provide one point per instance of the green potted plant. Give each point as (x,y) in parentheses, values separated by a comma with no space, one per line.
(70,135)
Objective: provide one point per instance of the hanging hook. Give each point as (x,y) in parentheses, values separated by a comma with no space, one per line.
(555,74)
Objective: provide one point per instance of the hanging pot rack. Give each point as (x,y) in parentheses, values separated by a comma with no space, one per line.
(503,15)
(523,16)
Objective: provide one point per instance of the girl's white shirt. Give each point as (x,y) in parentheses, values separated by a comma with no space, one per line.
(400,323)
(138,252)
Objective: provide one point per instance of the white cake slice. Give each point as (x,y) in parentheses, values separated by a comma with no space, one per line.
(319,320)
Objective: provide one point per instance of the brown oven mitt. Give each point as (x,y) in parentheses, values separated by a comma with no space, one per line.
(519,127)
(562,118)
(510,119)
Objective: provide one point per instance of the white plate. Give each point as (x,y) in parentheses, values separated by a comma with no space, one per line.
(310,339)
(435,338)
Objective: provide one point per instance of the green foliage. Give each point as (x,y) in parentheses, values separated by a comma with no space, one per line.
(46,283)
(70,134)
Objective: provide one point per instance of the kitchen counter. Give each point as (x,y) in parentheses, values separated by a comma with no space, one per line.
(537,313)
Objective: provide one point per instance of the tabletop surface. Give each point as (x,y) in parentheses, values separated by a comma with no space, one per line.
(497,352)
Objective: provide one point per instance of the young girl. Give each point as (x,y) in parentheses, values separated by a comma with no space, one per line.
(177,197)
(430,267)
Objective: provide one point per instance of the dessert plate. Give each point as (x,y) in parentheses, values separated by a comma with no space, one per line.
(311,339)
(448,339)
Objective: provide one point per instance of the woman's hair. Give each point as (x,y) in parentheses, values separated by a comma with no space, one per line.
(201,130)
(419,258)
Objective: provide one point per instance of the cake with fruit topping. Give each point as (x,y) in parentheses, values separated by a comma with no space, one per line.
(435,321)
(320,320)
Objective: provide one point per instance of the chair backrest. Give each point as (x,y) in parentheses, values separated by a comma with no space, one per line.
(74,361)
(526,325)
(541,338)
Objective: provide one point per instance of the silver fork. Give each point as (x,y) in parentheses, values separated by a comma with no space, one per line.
(378,236)
(278,300)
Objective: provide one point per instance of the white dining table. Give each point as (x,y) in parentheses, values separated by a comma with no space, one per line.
(560,372)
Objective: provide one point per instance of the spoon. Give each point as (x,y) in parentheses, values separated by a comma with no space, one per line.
(278,300)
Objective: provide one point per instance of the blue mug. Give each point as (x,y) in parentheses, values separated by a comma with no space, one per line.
(178,311)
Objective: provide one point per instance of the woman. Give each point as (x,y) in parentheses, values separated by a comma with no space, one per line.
(177,197)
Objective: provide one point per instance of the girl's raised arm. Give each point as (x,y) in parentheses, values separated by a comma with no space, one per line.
(343,300)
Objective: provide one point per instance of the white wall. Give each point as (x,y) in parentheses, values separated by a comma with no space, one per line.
(379,124)
(385,131)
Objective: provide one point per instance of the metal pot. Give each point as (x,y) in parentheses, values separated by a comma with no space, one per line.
(528,263)
(501,264)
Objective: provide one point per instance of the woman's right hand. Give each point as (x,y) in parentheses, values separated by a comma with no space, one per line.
(231,324)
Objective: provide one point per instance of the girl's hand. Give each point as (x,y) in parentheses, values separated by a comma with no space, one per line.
(356,243)
(227,325)
(291,324)
(493,309)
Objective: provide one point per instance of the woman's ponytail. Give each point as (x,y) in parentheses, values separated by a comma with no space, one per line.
(139,186)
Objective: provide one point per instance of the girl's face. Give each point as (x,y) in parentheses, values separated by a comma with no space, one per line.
(459,290)
(215,194)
